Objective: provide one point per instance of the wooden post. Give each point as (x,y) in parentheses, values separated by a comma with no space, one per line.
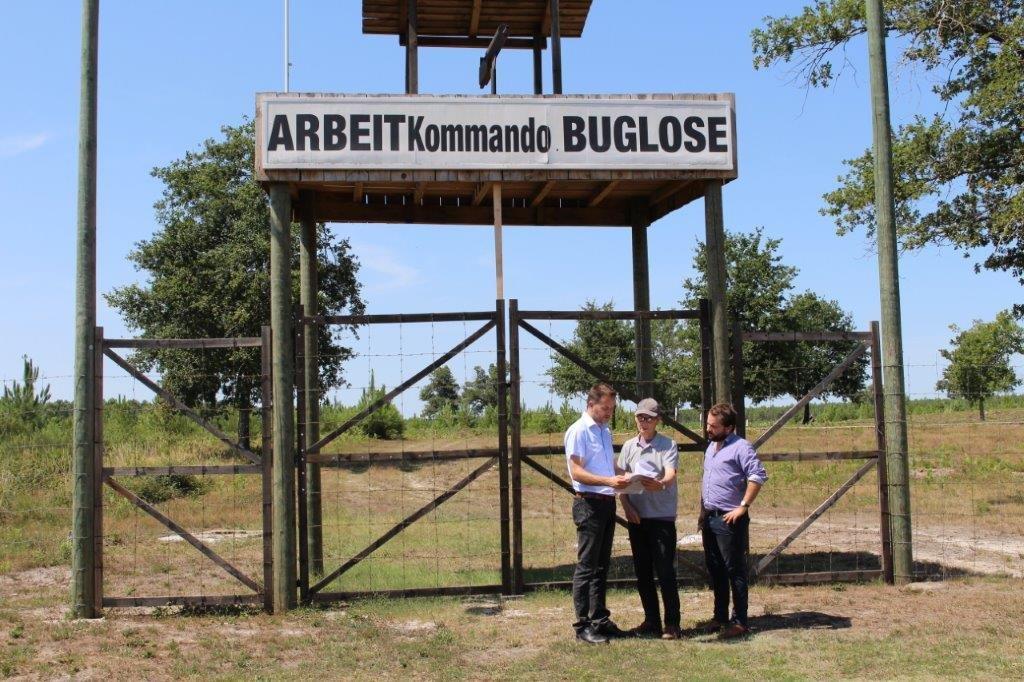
(706,390)
(283,387)
(412,68)
(503,462)
(739,388)
(301,464)
(897,456)
(83,578)
(538,65)
(97,500)
(642,301)
(556,48)
(884,523)
(308,291)
(516,427)
(714,229)
(267,457)
(499,266)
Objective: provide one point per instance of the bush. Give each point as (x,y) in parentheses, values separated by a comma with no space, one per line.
(156,489)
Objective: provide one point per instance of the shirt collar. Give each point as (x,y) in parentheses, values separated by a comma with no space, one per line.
(588,420)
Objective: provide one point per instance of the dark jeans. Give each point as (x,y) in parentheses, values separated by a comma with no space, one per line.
(595,527)
(654,554)
(725,548)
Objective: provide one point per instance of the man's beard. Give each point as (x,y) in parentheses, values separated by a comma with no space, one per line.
(719,438)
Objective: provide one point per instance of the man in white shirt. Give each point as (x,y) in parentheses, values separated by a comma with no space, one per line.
(591,462)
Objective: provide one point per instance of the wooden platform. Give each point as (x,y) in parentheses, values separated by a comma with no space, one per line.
(475,18)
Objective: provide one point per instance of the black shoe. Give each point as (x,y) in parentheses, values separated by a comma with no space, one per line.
(610,629)
(646,629)
(590,637)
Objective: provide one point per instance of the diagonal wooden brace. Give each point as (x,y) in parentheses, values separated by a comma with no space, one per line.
(180,406)
(402,525)
(185,535)
(771,556)
(623,391)
(383,400)
(812,394)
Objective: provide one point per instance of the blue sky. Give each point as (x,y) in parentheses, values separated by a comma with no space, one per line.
(172,73)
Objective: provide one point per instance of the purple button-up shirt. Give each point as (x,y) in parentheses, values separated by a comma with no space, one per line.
(727,471)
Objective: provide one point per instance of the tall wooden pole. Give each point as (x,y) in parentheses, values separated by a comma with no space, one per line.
(642,301)
(556,48)
(499,259)
(308,291)
(538,65)
(283,385)
(83,587)
(412,64)
(896,456)
(714,229)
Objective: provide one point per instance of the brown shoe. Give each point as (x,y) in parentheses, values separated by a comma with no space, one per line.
(646,629)
(733,631)
(671,632)
(708,626)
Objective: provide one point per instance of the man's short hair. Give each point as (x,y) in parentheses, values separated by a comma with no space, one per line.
(599,392)
(725,413)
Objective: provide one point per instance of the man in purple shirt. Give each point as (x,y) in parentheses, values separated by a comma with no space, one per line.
(733,476)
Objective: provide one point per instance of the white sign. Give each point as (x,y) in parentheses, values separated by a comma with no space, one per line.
(522,133)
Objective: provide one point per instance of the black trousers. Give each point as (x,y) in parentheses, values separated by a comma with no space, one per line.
(725,548)
(595,528)
(654,555)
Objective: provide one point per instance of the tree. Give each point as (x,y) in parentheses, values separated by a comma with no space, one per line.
(440,392)
(759,287)
(386,421)
(979,360)
(959,172)
(607,345)
(23,401)
(481,392)
(208,270)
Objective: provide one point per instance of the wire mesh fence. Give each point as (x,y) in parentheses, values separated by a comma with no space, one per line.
(966,481)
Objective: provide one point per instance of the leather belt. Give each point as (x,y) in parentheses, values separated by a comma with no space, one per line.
(595,496)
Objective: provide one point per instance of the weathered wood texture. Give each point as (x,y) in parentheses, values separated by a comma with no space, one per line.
(472,18)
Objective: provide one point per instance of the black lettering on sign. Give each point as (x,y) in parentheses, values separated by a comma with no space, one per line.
(476,138)
(645,143)
(308,125)
(625,142)
(716,132)
(511,138)
(280,134)
(452,138)
(357,124)
(433,138)
(393,120)
(378,132)
(670,134)
(529,136)
(606,128)
(697,142)
(572,133)
(543,139)
(334,132)
(415,139)
(495,144)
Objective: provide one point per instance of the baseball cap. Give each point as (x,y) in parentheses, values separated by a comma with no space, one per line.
(648,406)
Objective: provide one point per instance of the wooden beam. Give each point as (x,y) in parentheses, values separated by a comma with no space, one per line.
(482,190)
(822,508)
(602,193)
(402,525)
(357,193)
(811,395)
(545,27)
(666,191)
(541,193)
(474,19)
(417,195)
(185,535)
(807,336)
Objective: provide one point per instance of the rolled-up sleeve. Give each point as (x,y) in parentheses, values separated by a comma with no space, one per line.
(575,445)
(752,467)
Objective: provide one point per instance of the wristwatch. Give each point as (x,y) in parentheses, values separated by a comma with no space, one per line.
(745,504)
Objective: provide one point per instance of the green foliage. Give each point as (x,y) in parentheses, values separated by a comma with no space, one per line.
(209,275)
(386,422)
(440,393)
(958,173)
(157,489)
(24,404)
(481,392)
(979,360)
(607,345)
(759,287)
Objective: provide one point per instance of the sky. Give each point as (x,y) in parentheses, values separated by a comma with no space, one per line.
(172,73)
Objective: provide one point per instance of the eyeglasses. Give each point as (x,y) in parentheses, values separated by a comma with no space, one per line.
(644,418)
